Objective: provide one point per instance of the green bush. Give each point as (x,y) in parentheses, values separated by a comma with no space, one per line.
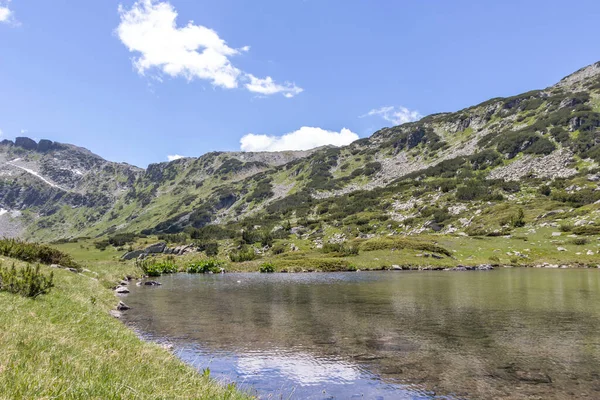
(386,243)
(587,230)
(211,249)
(566,227)
(157,268)
(341,249)
(518,219)
(34,252)
(244,254)
(205,266)
(121,239)
(470,191)
(27,282)
(579,241)
(279,248)
(267,268)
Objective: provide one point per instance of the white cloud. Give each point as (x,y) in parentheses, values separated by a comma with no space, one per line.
(396,115)
(303,139)
(268,86)
(5,12)
(149,28)
(173,157)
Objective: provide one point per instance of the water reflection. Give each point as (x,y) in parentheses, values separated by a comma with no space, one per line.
(503,334)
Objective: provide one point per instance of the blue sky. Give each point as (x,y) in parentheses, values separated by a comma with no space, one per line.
(131,83)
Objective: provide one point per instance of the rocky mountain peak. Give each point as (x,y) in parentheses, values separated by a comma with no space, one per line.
(581,76)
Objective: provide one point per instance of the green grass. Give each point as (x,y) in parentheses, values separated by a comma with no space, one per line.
(66,345)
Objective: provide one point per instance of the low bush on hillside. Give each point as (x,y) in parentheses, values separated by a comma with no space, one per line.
(340,249)
(35,253)
(157,268)
(27,281)
(266,268)
(121,239)
(279,248)
(579,241)
(205,266)
(388,243)
(244,254)
(211,249)
(587,230)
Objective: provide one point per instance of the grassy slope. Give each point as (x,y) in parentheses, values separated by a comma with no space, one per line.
(66,345)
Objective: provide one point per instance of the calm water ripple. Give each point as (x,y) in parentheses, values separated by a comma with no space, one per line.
(511,333)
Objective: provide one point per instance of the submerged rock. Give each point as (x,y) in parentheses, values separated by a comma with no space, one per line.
(122,306)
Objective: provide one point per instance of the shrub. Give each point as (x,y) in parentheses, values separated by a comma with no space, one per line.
(27,282)
(121,239)
(279,248)
(566,227)
(244,254)
(211,249)
(205,266)
(101,244)
(266,239)
(34,252)
(386,243)
(157,268)
(341,249)
(267,268)
(587,230)
(518,219)
(579,241)
(471,191)
(545,190)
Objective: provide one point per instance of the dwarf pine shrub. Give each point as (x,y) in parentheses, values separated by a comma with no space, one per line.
(27,281)
(34,252)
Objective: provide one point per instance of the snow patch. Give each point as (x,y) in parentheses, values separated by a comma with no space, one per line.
(3,211)
(32,172)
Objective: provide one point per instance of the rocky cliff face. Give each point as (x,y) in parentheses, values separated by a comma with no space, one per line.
(50,190)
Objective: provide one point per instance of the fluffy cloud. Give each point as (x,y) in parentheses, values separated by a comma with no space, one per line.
(5,12)
(395,115)
(149,28)
(268,86)
(303,139)
(173,157)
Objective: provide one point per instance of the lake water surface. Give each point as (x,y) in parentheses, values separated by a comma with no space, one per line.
(508,333)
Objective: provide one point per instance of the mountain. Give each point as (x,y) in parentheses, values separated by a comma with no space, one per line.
(539,150)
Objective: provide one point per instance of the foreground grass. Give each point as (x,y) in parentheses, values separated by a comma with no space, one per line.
(66,345)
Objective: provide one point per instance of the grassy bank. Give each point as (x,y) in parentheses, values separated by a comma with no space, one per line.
(525,247)
(66,345)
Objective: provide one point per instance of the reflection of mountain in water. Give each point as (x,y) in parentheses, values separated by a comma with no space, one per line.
(505,334)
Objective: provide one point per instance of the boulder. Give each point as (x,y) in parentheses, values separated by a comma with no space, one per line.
(44,145)
(115,313)
(396,267)
(132,254)
(152,283)
(26,143)
(121,290)
(155,248)
(122,306)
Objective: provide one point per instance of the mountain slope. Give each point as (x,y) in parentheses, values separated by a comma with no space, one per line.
(414,176)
